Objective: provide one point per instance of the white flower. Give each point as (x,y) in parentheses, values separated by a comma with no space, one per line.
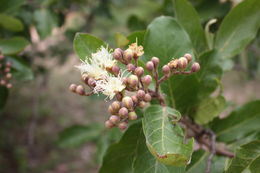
(93,70)
(110,86)
(104,58)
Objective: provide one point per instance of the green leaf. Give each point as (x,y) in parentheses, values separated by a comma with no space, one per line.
(247,159)
(8,6)
(136,36)
(121,40)
(199,161)
(135,23)
(85,44)
(21,70)
(209,108)
(238,28)
(10,23)
(13,45)
(239,123)
(3,96)
(164,138)
(188,17)
(77,135)
(45,21)
(130,155)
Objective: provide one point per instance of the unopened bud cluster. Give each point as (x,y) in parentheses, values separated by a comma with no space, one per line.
(134,90)
(5,72)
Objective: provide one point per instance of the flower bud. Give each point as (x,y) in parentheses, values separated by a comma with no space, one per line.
(195,67)
(128,55)
(109,124)
(149,66)
(128,102)
(166,69)
(115,70)
(114,119)
(130,67)
(118,54)
(132,116)
(2,82)
(155,61)
(173,64)
(85,78)
(135,99)
(116,106)
(2,57)
(9,85)
(182,63)
(147,97)
(111,110)
(132,81)
(142,104)
(123,112)
(8,75)
(7,70)
(122,125)
(73,87)
(139,71)
(188,57)
(147,79)
(80,90)
(8,64)
(140,94)
(91,82)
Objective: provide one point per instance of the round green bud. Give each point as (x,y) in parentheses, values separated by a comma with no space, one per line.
(132,116)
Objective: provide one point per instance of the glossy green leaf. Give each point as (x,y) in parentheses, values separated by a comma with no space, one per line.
(8,6)
(85,44)
(136,36)
(121,40)
(239,123)
(199,161)
(247,159)
(13,45)
(77,135)
(164,138)
(130,155)
(188,17)
(209,108)
(45,22)
(21,70)
(10,23)
(3,97)
(238,28)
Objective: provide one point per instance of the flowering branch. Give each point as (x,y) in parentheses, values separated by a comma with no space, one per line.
(5,72)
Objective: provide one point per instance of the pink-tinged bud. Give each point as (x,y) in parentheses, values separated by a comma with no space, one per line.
(111,110)
(9,85)
(140,94)
(122,125)
(166,69)
(114,119)
(8,75)
(182,63)
(109,124)
(188,57)
(128,55)
(173,64)
(128,102)
(7,70)
(2,57)
(73,87)
(130,67)
(2,82)
(8,64)
(119,96)
(115,70)
(195,67)
(132,81)
(147,79)
(118,54)
(147,97)
(132,116)
(135,99)
(84,77)
(123,112)
(91,82)
(80,90)
(149,66)
(142,104)
(116,106)
(155,61)
(139,71)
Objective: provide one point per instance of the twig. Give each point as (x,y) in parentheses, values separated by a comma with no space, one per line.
(212,149)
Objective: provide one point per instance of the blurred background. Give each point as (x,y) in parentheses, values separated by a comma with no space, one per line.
(44,128)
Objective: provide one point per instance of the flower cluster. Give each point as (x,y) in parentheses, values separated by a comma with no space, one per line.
(130,87)
(5,72)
